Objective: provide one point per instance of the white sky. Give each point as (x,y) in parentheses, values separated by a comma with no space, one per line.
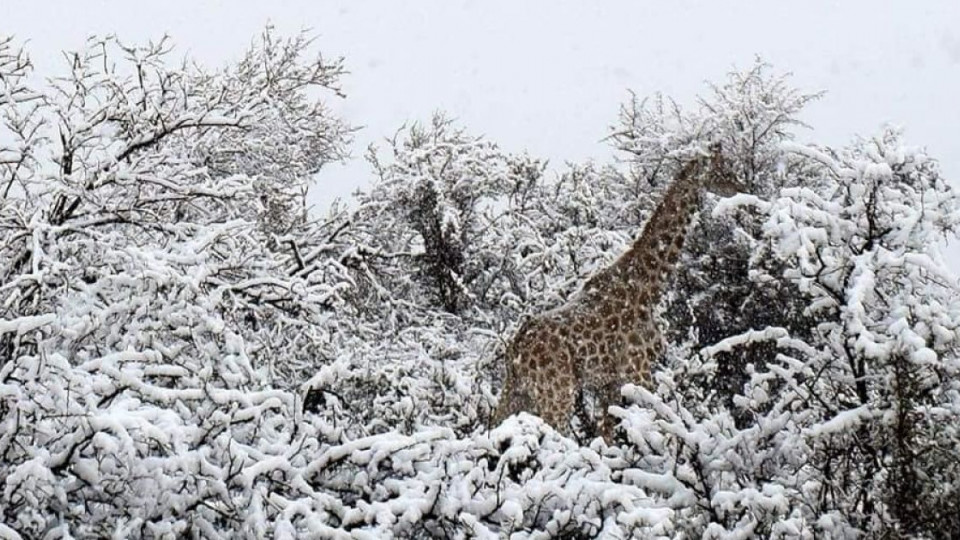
(548,75)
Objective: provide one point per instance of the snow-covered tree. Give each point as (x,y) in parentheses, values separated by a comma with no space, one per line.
(437,200)
(151,296)
(863,246)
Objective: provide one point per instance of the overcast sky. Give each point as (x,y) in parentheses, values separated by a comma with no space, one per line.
(548,76)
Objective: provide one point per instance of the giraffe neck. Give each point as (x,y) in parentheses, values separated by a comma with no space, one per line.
(647,266)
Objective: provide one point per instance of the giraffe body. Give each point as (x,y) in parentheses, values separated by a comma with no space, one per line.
(606,335)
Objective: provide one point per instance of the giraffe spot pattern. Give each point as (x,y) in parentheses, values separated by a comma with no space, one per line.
(605,337)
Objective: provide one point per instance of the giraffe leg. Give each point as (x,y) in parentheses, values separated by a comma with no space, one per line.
(513,399)
(503,409)
(608,395)
(558,408)
(637,366)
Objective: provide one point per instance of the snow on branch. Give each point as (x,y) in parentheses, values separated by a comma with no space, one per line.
(22,325)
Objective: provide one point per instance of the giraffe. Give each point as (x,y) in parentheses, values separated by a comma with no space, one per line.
(606,335)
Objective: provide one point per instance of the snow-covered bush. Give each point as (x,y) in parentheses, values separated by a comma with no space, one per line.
(148,307)
(850,426)
(864,248)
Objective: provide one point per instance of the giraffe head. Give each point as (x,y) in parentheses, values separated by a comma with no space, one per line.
(715,174)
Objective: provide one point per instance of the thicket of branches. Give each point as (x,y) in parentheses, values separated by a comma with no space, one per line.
(185,350)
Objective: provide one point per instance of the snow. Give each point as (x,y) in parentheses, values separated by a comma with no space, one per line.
(174,366)
(844,421)
(8,534)
(23,325)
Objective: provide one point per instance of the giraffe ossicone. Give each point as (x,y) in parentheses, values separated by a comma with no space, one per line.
(606,335)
